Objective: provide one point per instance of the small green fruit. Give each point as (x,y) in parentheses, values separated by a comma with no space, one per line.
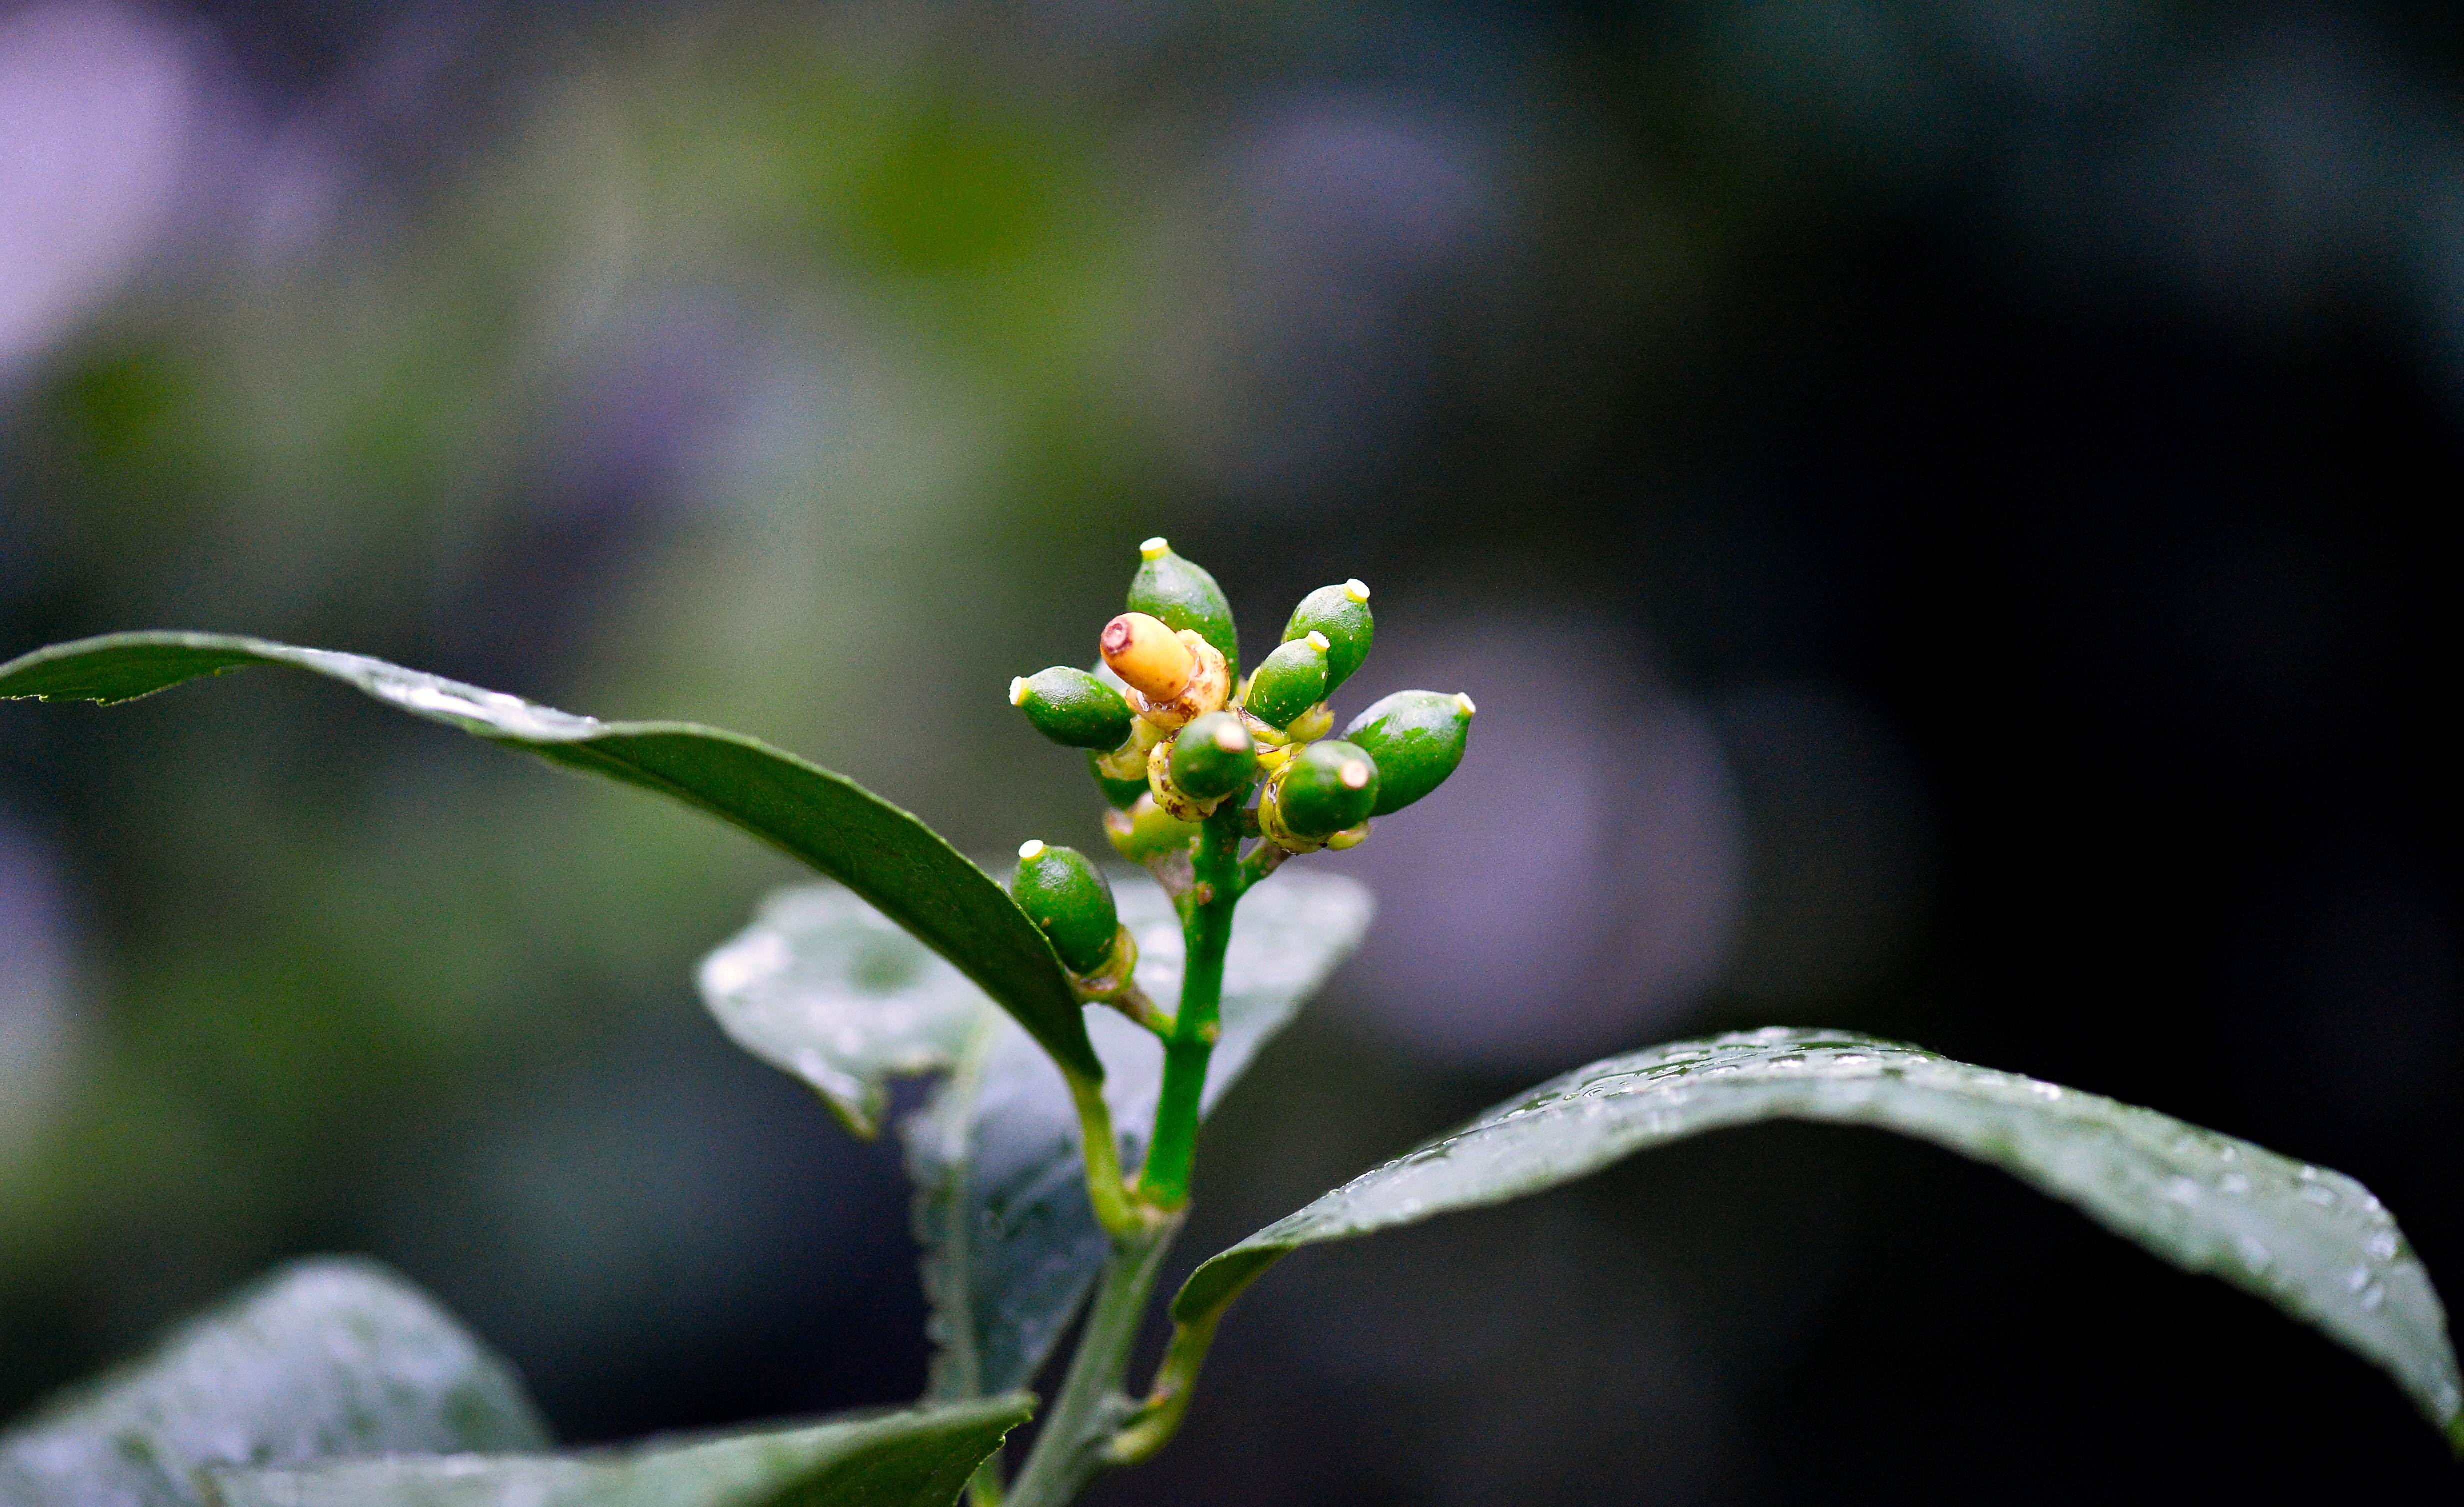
(1327,788)
(1072,707)
(1342,614)
(1290,680)
(1068,898)
(1119,793)
(1213,758)
(1145,831)
(1185,597)
(1416,738)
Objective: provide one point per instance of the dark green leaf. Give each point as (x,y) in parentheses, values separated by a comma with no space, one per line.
(2313,1242)
(325,1358)
(822,987)
(893,860)
(917,1458)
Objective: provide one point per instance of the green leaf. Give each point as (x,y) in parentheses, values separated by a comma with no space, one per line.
(323,1359)
(826,986)
(889,857)
(915,1457)
(822,987)
(2313,1242)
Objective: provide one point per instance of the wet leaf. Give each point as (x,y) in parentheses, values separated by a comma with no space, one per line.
(826,986)
(915,1457)
(2313,1242)
(323,1359)
(822,988)
(893,860)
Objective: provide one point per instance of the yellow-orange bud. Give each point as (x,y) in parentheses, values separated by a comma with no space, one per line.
(1149,656)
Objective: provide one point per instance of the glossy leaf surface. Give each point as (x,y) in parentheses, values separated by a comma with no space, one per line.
(822,987)
(828,989)
(2311,1241)
(915,1457)
(325,1358)
(895,861)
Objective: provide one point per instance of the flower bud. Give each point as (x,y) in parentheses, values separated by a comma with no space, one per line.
(1145,831)
(1119,793)
(1186,598)
(1148,656)
(1072,707)
(1416,738)
(1289,681)
(1342,614)
(1213,758)
(1327,788)
(1065,895)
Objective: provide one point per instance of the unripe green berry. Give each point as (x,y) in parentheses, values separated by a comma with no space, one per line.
(1213,758)
(1326,788)
(1145,831)
(1186,598)
(1342,614)
(1416,738)
(1289,681)
(1119,793)
(1072,707)
(1069,899)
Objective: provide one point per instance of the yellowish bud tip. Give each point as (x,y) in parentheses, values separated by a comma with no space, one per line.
(1464,701)
(1231,737)
(1354,775)
(1018,690)
(1148,655)
(1155,549)
(1319,641)
(1357,589)
(1031,848)
(1120,823)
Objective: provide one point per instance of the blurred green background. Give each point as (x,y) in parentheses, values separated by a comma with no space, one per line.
(1937,502)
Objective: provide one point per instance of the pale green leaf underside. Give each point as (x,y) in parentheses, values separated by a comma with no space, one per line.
(918,1457)
(889,857)
(2311,1241)
(323,1359)
(822,987)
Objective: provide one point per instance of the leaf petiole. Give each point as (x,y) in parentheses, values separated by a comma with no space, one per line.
(1167,1400)
(1116,1209)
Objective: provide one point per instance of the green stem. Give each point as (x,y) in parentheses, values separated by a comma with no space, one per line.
(1206,926)
(1167,1402)
(1105,1188)
(1075,1443)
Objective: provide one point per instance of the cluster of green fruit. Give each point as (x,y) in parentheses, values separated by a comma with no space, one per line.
(1175,733)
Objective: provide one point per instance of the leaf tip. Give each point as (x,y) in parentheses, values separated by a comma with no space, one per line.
(862,1119)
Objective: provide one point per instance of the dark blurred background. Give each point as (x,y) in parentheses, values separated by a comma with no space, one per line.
(1936,500)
